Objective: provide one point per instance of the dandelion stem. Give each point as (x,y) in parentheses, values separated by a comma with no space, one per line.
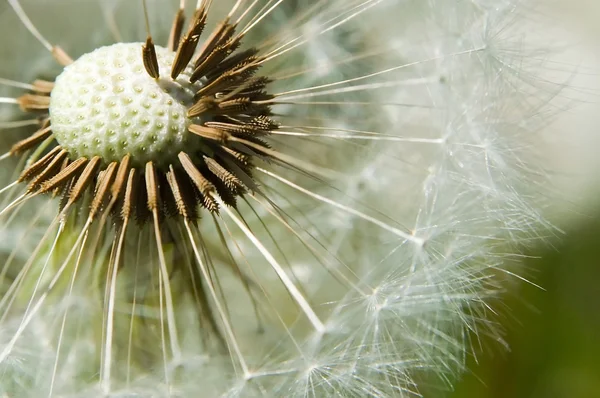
(224,318)
(133,309)
(31,312)
(305,166)
(335,272)
(361,87)
(25,269)
(347,209)
(246,11)
(9,186)
(152,189)
(298,297)
(20,123)
(13,83)
(29,25)
(64,320)
(247,29)
(112,283)
(234,8)
(360,137)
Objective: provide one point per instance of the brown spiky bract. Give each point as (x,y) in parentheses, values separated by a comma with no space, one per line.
(232,102)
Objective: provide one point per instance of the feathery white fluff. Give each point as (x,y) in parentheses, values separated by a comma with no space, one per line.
(396,254)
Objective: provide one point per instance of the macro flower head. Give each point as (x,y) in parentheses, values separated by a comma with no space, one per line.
(260,197)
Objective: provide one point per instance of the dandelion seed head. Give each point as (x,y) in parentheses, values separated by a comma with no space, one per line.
(105,104)
(334,230)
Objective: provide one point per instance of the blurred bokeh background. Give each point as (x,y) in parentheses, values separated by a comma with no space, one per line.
(553,331)
(553,334)
(551,346)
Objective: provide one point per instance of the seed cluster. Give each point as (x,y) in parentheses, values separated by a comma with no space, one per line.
(105,104)
(192,139)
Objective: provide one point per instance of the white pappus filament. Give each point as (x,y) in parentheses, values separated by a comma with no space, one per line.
(257,197)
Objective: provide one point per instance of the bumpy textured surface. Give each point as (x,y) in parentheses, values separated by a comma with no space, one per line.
(105,104)
(419,118)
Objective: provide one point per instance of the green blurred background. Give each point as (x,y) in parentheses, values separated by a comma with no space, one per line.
(553,334)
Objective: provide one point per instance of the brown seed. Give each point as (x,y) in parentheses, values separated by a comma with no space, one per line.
(32,102)
(176,30)
(150,59)
(63,176)
(85,178)
(209,133)
(151,187)
(188,44)
(31,141)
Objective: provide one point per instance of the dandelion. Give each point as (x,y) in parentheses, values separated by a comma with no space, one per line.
(260,197)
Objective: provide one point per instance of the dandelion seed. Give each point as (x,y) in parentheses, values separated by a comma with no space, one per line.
(262,205)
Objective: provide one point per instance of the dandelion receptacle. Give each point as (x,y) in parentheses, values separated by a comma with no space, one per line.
(255,197)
